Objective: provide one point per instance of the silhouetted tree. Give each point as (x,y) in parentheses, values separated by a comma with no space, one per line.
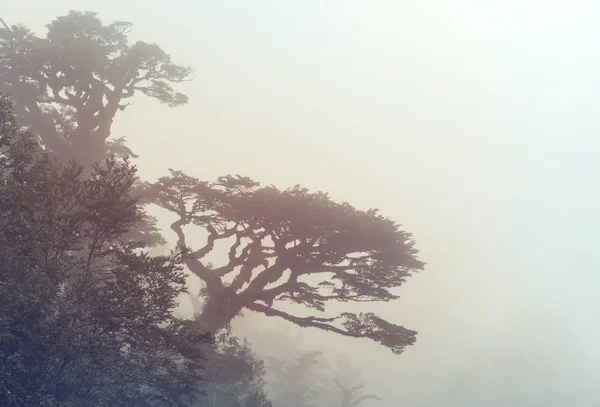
(346,377)
(290,246)
(69,85)
(86,318)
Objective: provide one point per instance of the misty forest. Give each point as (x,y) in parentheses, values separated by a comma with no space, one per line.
(88,312)
(119,288)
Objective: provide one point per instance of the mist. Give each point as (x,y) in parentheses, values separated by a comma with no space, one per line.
(473,125)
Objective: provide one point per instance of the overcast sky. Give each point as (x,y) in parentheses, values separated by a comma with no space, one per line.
(473,123)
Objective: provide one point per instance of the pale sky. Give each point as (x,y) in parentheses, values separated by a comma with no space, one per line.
(474,124)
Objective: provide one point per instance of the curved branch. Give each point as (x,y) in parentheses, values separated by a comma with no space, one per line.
(363,398)
(348,392)
(321,323)
(394,337)
(177,228)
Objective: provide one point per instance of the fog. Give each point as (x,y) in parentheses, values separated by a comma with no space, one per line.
(473,124)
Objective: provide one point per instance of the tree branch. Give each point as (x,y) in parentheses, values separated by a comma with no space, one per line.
(177,228)
(321,323)
(368,325)
(363,398)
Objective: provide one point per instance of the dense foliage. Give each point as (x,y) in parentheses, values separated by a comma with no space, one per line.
(86,318)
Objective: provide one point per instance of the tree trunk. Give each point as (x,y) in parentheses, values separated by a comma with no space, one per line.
(216,315)
(87,147)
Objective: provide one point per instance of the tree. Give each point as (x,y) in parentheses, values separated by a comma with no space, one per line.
(292,385)
(292,246)
(295,376)
(234,374)
(69,86)
(347,378)
(309,379)
(86,318)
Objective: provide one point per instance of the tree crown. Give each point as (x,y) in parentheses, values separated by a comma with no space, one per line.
(293,245)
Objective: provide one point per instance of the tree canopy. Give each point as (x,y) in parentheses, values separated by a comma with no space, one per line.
(69,85)
(86,317)
(292,246)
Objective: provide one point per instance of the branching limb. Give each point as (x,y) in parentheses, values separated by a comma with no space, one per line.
(361,325)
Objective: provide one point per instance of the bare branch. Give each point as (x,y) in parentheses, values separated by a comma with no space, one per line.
(6,27)
(363,398)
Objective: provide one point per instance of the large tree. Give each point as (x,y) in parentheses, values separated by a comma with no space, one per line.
(86,317)
(292,246)
(69,85)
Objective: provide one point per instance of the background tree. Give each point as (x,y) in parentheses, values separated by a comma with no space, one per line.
(300,377)
(86,318)
(291,246)
(346,377)
(293,384)
(294,375)
(69,85)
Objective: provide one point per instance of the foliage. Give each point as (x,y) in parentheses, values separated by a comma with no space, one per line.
(300,377)
(86,317)
(292,246)
(234,374)
(69,85)
(293,385)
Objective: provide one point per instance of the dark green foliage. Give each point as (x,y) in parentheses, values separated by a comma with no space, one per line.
(292,246)
(69,85)
(86,317)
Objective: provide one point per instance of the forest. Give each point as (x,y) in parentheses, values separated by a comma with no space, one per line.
(87,307)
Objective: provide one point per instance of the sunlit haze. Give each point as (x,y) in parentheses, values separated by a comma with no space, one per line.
(473,124)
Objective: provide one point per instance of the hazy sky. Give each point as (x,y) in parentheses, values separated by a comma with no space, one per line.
(474,124)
